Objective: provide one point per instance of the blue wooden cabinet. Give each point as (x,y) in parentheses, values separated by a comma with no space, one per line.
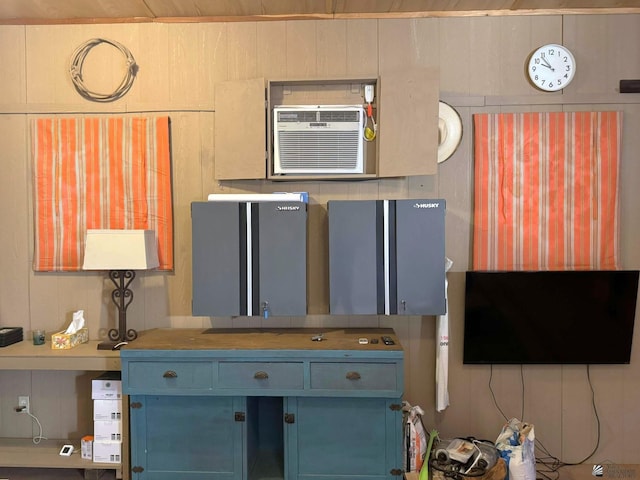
(264,404)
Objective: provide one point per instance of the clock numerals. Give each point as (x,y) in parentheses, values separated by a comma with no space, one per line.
(551,67)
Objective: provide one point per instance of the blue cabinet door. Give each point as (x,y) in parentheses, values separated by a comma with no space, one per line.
(343,438)
(187,437)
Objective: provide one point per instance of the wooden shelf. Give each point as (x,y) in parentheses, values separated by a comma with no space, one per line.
(22,452)
(86,357)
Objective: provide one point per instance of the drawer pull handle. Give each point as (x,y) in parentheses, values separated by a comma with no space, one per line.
(170,374)
(353,376)
(261,375)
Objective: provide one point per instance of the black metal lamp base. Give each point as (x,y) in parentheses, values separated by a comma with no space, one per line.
(122,296)
(109,345)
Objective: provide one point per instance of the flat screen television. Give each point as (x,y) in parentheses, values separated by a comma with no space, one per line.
(549,317)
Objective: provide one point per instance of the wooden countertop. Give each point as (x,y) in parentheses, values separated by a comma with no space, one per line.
(262,339)
(84,357)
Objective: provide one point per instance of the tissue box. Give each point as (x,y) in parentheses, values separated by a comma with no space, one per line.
(65,341)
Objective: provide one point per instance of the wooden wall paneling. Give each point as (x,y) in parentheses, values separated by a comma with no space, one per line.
(464,386)
(393,188)
(61,400)
(578,423)
(15,220)
(47,62)
(482,58)
(332,48)
(609,397)
(455,55)
(302,51)
(187,187)
(271,50)
(239,134)
(362,47)
(153,84)
(455,183)
(317,253)
(543,400)
(630,413)
(365,190)
(242,50)
(512,51)
(100,313)
(132,38)
(403,47)
(407,43)
(206,137)
(591,39)
(214,68)
(624,30)
(185,65)
(44,304)
(14,383)
(12,65)
(423,186)
(629,172)
(417,335)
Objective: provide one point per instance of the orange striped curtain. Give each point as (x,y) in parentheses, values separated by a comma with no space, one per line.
(111,173)
(546,191)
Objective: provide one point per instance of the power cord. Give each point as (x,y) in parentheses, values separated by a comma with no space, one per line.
(551,464)
(37,438)
(77,62)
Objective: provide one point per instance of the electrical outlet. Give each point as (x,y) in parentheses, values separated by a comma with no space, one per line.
(23,401)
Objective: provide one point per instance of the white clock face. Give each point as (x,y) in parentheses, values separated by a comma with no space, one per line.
(551,67)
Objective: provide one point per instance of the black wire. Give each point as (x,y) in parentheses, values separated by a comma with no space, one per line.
(493,395)
(551,463)
(595,411)
(522,384)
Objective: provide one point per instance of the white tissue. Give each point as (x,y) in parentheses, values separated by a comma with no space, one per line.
(77,323)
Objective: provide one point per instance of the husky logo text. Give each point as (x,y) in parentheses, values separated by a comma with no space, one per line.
(426,205)
(288,208)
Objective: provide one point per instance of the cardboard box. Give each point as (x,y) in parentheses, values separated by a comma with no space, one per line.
(107,452)
(63,341)
(107,409)
(86,447)
(107,431)
(107,386)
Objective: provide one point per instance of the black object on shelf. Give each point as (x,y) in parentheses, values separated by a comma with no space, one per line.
(9,335)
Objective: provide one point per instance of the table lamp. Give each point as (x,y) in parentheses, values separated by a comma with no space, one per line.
(121,252)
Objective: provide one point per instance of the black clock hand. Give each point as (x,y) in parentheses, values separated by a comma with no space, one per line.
(546,62)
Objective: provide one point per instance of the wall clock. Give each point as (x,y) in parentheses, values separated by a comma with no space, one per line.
(551,67)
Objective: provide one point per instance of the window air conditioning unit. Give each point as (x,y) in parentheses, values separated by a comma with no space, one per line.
(318,139)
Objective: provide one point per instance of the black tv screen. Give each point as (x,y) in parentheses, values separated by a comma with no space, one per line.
(549,317)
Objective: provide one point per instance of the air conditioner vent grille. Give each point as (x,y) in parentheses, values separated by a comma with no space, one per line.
(323,140)
(318,116)
(318,149)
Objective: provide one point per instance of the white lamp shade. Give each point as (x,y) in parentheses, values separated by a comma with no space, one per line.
(120,250)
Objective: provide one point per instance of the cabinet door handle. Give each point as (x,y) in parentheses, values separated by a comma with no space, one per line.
(261,375)
(170,374)
(353,376)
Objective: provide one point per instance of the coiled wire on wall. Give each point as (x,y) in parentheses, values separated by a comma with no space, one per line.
(77,61)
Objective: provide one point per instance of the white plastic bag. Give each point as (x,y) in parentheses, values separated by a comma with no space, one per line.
(415,438)
(516,444)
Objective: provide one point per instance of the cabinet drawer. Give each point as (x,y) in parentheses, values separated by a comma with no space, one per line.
(353,376)
(170,376)
(261,375)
